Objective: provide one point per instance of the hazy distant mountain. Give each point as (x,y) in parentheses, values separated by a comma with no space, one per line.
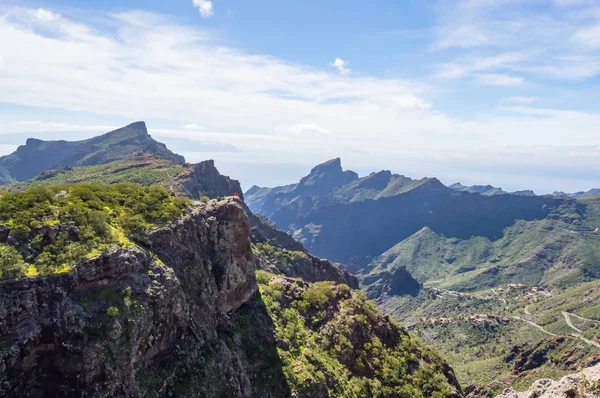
(37,156)
(576,195)
(488,190)
(351,219)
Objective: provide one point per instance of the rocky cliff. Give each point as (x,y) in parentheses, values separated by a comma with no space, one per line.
(137,322)
(203,179)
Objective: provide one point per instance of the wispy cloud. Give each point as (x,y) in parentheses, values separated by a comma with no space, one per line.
(588,37)
(562,29)
(494,79)
(522,100)
(205,8)
(41,126)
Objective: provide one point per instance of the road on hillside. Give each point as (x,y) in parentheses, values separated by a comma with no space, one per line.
(578,335)
(535,325)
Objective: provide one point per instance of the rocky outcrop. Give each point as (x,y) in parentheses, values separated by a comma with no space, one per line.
(304,266)
(398,282)
(151,321)
(203,179)
(584,384)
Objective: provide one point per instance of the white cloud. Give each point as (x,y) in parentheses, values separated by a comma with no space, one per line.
(41,126)
(340,65)
(494,79)
(205,8)
(522,100)
(46,15)
(588,37)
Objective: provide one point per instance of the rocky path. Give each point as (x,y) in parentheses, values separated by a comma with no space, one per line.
(568,320)
(535,325)
(582,318)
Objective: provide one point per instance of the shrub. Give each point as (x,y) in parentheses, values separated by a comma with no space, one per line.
(11,263)
(263,277)
(113,311)
(318,295)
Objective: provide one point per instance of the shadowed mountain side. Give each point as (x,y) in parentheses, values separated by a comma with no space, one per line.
(355,232)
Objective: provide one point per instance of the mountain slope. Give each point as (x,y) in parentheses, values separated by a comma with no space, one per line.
(548,252)
(37,156)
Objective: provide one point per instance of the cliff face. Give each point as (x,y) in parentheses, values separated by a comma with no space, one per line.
(135,322)
(203,179)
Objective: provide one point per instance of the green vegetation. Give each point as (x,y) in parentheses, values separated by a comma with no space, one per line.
(281,257)
(556,254)
(549,252)
(333,341)
(494,353)
(49,229)
(141,170)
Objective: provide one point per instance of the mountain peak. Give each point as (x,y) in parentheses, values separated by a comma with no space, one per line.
(141,125)
(333,165)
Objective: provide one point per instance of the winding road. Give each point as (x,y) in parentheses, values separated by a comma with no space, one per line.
(578,335)
(569,323)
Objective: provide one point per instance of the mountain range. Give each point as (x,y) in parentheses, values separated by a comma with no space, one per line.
(126,271)
(442,260)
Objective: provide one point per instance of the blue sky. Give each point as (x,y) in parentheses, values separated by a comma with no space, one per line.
(504,92)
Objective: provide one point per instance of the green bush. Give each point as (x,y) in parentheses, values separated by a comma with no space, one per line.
(12,264)
(113,311)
